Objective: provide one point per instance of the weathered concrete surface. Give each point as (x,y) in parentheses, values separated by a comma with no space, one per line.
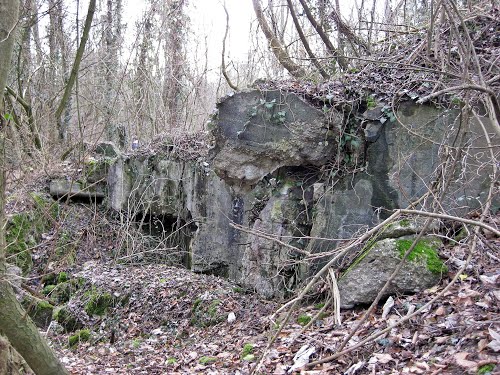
(62,188)
(271,172)
(259,132)
(405,156)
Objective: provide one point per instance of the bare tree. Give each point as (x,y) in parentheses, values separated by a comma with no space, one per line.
(223,63)
(174,50)
(19,329)
(74,70)
(276,46)
(304,41)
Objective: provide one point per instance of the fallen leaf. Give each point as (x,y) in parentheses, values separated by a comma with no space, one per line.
(422,365)
(460,359)
(380,358)
(489,279)
(496,293)
(440,311)
(301,358)
(482,344)
(352,370)
(387,307)
(495,343)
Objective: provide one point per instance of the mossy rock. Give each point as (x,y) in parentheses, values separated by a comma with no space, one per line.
(48,289)
(49,279)
(19,238)
(24,229)
(99,302)
(362,281)
(425,250)
(67,320)
(59,286)
(62,277)
(82,335)
(62,292)
(40,311)
(206,312)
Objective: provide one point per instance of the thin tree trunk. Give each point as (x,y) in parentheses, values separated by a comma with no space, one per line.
(344,30)
(174,13)
(14,323)
(276,47)
(304,41)
(322,34)
(223,63)
(76,65)
(64,123)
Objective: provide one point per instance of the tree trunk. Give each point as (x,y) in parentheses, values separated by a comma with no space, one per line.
(304,41)
(14,323)
(174,14)
(76,65)
(322,34)
(276,47)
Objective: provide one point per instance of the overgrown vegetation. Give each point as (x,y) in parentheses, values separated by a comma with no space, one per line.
(24,230)
(83,335)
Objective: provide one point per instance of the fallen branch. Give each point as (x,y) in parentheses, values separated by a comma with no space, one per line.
(450,217)
(316,277)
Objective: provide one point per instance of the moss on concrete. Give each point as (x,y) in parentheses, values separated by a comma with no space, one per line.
(424,250)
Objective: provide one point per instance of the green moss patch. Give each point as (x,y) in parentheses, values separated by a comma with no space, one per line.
(98,303)
(404,223)
(206,313)
(39,310)
(247,350)
(424,250)
(207,360)
(303,320)
(67,320)
(59,286)
(171,361)
(79,336)
(486,369)
(24,229)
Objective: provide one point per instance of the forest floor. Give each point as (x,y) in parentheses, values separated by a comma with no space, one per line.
(167,320)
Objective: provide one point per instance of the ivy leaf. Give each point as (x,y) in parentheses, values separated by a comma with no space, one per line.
(7,116)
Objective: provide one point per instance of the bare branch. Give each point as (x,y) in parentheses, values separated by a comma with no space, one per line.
(78,59)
